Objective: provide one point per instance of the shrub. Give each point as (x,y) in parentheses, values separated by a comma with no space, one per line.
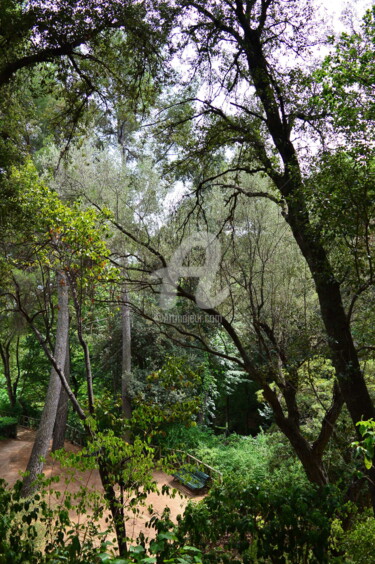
(34,532)
(8,427)
(262,523)
(180,436)
(359,542)
(252,457)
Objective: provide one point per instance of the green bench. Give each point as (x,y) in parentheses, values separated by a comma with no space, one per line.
(192,479)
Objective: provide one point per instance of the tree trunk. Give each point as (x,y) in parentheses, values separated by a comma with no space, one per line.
(125,309)
(62,409)
(116,507)
(5,357)
(308,238)
(310,459)
(126,356)
(47,422)
(340,340)
(311,462)
(83,343)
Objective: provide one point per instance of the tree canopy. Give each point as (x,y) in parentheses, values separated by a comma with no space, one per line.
(187,242)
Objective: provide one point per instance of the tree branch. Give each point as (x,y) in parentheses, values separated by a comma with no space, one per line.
(46,55)
(328,424)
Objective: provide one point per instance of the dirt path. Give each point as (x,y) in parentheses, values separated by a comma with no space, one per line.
(14,455)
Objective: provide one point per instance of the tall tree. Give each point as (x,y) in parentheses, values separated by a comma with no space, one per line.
(267,108)
(45,430)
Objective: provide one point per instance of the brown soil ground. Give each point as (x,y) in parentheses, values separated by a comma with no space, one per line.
(14,455)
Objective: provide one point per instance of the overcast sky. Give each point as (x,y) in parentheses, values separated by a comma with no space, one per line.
(336,7)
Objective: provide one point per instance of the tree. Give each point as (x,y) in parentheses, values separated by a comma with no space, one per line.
(48,419)
(119,176)
(65,59)
(267,107)
(70,242)
(63,244)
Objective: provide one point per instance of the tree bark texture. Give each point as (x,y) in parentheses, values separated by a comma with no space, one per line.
(62,409)
(47,422)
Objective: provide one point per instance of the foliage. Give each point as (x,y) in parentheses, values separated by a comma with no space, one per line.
(254,458)
(249,456)
(162,550)
(347,76)
(130,464)
(8,427)
(172,394)
(76,237)
(297,237)
(358,542)
(36,369)
(31,530)
(262,522)
(188,438)
(367,444)
(5,407)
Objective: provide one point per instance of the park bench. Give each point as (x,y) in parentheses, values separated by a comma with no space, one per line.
(192,479)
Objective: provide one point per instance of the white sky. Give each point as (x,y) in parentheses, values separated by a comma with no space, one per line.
(336,7)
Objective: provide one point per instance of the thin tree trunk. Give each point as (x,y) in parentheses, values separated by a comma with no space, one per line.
(126,355)
(84,345)
(5,356)
(62,409)
(116,507)
(18,364)
(125,309)
(47,422)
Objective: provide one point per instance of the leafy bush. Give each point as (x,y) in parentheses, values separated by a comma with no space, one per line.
(245,522)
(245,456)
(22,404)
(189,438)
(164,549)
(359,542)
(8,427)
(33,532)
(252,457)
(4,401)
(5,407)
